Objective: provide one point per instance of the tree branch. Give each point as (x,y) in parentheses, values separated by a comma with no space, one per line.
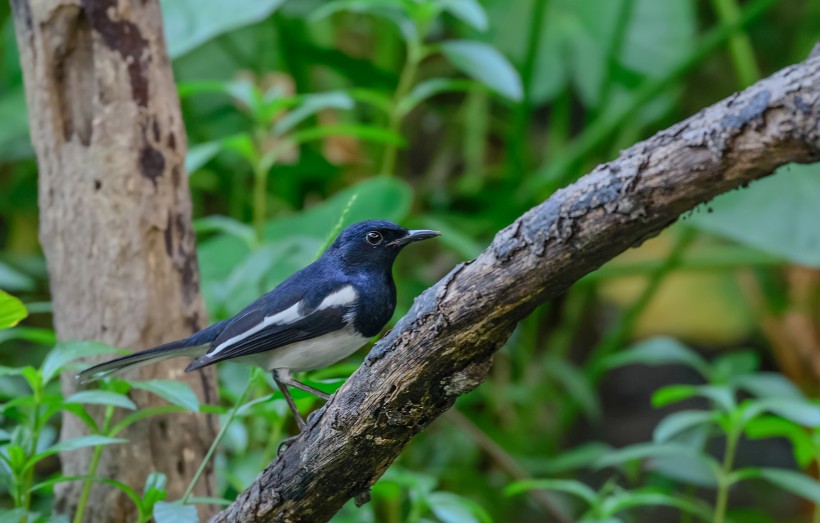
(443,347)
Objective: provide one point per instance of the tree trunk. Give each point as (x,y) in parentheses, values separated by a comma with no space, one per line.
(115,220)
(444,346)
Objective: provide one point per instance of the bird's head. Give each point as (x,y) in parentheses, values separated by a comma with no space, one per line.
(375,243)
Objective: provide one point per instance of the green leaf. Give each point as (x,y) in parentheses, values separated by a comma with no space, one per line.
(74,444)
(684,469)
(393,10)
(310,105)
(468,11)
(659,351)
(788,480)
(655,450)
(12,310)
(678,422)
(728,367)
(432,87)
(13,280)
(569,486)
(200,154)
(768,384)
(486,65)
(175,513)
(450,508)
(32,334)
(175,392)
(776,214)
(582,456)
(190,23)
(800,412)
(101,397)
(625,500)
(777,427)
(67,351)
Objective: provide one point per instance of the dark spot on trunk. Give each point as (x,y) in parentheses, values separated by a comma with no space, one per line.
(151,163)
(155,128)
(181,467)
(97,185)
(182,232)
(172,141)
(190,279)
(176,178)
(169,236)
(124,37)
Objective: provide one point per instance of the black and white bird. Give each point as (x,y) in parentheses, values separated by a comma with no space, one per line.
(318,316)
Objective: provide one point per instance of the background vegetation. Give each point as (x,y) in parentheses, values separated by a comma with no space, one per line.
(459,115)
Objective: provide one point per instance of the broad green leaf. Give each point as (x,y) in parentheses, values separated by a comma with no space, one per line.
(582,456)
(468,11)
(659,351)
(310,105)
(655,450)
(175,392)
(777,427)
(678,422)
(32,334)
(432,87)
(684,469)
(769,384)
(190,23)
(576,488)
(626,500)
(486,65)
(200,154)
(728,367)
(799,411)
(12,310)
(13,280)
(67,351)
(101,397)
(722,396)
(74,444)
(791,481)
(175,513)
(450,508)
(776,214)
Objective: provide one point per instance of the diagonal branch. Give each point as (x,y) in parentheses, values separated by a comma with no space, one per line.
(443,347)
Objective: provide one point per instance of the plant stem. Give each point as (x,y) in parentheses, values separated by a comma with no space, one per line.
(92,468)
(260,198)
(35,439)
(408,76)
(521,119)
(219,436)
(740,47)
(722,500)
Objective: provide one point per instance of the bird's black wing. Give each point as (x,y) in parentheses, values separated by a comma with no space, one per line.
(318,323)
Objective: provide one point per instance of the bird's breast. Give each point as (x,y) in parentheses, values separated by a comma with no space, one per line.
(314,353)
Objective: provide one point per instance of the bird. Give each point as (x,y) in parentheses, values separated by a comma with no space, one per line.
(316,317)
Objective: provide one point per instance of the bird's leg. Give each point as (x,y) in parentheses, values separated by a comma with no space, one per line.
(307,388)
(281,378)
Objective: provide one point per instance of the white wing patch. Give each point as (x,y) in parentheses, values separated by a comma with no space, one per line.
(343,297)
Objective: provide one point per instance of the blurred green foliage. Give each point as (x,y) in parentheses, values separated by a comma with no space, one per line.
(459,115)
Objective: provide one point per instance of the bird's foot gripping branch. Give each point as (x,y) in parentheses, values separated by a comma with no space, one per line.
(442,348)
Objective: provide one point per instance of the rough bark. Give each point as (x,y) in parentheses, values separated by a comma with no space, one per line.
(115,219)
(443,347)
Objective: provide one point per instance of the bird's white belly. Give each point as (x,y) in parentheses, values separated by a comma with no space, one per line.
(314,353)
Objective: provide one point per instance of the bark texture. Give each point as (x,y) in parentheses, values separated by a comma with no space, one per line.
(443,347)
(115,219)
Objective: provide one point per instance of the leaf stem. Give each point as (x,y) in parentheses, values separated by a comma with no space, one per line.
(724,482)
(415,54)
(224,429)
(92,468)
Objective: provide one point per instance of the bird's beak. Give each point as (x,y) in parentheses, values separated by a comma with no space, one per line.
(415,236)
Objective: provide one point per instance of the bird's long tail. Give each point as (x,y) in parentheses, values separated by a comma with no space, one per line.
(196,345)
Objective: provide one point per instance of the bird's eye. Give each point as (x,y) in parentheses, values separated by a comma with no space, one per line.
(373,238)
